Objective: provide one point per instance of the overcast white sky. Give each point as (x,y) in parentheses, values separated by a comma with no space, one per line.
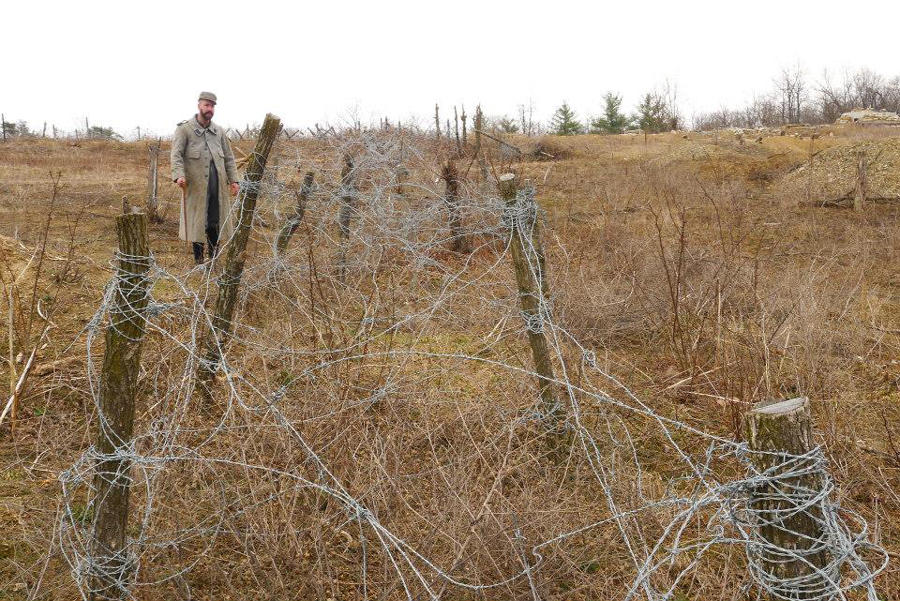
(124,64)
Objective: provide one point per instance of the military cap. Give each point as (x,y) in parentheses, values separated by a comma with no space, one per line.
(207,96)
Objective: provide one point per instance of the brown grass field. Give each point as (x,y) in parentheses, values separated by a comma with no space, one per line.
(704,274)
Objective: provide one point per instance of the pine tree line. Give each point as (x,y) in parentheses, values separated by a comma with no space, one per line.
(656,112)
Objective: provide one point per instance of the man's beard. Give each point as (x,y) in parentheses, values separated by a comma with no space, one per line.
(207,115)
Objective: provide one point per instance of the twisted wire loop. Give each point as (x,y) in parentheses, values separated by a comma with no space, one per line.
(131,290)
(246,186)
(776,501)
(318,363)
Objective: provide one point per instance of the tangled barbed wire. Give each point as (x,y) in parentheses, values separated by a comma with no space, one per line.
(376,429)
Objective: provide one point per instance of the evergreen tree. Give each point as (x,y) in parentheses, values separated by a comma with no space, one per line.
(564,122)
(103,133)
(651,113)
(507,125)
(9,129)
(613,120)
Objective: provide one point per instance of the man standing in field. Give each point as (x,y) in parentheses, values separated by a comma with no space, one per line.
(203,165)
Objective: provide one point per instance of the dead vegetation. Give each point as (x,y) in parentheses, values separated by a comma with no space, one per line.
(693,270)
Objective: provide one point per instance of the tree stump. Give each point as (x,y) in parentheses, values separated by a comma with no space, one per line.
(789,552)
(112,566)
(479,151)
(345,215)
(153,184)
(531,279)
(287,231)
(230,280)
(450,175)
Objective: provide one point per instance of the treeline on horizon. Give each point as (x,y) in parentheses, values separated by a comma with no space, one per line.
(795,97)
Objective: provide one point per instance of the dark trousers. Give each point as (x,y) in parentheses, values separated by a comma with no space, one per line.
(212,216)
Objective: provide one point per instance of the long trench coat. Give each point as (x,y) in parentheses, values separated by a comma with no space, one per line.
(192,149)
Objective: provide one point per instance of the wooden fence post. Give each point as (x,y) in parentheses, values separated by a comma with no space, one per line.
(118,388)
(860,196)
(3,125)
(348,203)
(456,126)
(230,280)
(479,151)
(153,184)
(437,121)
(531,279)
(450,175)
(400,170)
(790,551)
(284,237)
(464,117)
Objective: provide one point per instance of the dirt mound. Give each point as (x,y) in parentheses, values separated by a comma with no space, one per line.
(833,171)
(868,116)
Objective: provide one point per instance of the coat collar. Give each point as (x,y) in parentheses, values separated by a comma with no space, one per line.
(198,129)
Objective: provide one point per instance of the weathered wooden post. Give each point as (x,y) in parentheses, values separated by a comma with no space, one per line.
(230,280)
(437,120)
(348,204)
(348,197)
(111,561)
(456,126)
(293,222)
(400,170)
(450,175)
(860,196)
(153,184)
(789,554)
(464,117)
(479,151)
(3,125)
(531,279)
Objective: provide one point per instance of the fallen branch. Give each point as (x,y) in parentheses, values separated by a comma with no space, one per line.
(49,368)
(19,386)
(507,144)
(847,198)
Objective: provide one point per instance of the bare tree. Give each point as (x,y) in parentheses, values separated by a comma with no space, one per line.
(526,118)
(669,95)
(792,91)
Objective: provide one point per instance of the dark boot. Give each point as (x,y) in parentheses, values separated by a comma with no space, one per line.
(212,236)
(198,252)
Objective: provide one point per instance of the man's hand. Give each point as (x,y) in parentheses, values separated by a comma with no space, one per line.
(234,188)
(181,182)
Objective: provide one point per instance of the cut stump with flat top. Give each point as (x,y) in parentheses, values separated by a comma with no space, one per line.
(789,550)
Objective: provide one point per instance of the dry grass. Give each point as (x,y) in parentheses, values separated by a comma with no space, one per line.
(698,280)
